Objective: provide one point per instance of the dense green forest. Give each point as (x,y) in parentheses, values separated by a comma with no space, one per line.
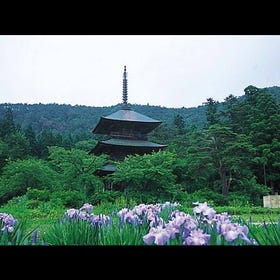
(224,152)
(80,120)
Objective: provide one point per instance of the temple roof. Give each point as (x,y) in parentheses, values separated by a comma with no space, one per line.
(132,143)
(109,168)
(129,115)
(117,145)
(125,119)
(106,169)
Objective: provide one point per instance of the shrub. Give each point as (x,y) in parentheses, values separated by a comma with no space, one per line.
(253,190)
(238,199)
(212,197)
(20,175)
(32,204)
(41,195)
(69,198)
(107,196)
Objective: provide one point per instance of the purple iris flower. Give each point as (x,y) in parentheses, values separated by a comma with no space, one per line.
(156,221)
(10,229)
(35,237)
(172,230)
(9,222)
(189,225)
(83,215)
(140,209)
(197,237)
(98,220)
(105,220)
(130,217)
(159,236)
(204,209)
(232,231)
(86,207)
(122,212)
(71,213)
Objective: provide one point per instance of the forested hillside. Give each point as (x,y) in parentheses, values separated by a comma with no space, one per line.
(80,120)
(227,153)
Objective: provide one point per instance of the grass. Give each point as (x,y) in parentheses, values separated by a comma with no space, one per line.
(71,233)
(38,218)
(257,218)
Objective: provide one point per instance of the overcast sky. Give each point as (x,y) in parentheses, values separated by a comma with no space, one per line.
(169,71)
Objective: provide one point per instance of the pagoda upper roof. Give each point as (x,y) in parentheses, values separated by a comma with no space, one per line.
(125,118)
(130,115)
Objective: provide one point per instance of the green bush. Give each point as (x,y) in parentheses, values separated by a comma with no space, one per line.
(147,178)
(51,206)
(202,195)
(20,175)
(144,197)
(32,204)
(254,191)
(237,199)
(41,195)
(107,196)
(70,199)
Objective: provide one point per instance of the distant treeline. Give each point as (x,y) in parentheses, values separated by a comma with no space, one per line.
(79,120)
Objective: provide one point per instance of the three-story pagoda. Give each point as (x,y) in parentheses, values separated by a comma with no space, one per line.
(127,133)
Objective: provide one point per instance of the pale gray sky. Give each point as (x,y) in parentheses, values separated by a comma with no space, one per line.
(164,70)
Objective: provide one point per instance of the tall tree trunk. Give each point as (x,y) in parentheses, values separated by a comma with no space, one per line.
(225,180)
(264,175)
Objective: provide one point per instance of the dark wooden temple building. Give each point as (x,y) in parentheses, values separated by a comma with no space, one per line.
(126,131)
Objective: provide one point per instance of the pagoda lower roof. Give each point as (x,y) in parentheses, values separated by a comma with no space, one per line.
(117,145)
(106,169)
(109,167)
(125,119)
(132,143)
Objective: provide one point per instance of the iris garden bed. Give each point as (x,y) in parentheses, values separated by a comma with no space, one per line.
(158,224)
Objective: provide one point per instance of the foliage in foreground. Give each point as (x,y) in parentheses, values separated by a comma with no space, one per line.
(144,224)
(266,233)
(13,232)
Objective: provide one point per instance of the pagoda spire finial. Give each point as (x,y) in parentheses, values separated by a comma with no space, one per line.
(124,95)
